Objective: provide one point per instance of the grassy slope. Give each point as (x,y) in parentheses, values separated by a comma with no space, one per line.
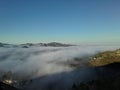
(105,58)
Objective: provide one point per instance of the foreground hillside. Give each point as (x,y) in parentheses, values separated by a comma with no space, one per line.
(109,84)
(106,83)
(109,60)
(4,86)
(105,58)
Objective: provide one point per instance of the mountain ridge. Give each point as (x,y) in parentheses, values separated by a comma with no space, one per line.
(27,45)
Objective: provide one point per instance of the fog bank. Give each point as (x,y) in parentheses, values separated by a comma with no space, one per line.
(36,62)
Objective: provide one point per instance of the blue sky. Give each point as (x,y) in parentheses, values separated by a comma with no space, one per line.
(69,21)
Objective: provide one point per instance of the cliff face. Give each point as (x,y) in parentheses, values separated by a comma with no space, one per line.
(105,58)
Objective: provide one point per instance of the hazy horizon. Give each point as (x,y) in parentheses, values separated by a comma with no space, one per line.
(63,42)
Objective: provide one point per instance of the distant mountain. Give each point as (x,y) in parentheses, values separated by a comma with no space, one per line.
(27,45)
(55,44)
(7,45)
(3,44)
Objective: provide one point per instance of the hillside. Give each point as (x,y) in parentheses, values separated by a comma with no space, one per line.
(108,82)
(105,58)
(4,86)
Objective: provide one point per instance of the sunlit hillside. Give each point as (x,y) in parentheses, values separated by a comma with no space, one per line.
(105,58)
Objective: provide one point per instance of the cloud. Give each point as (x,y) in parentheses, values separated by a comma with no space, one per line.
(37,62)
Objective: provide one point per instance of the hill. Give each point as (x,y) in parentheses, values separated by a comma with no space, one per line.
(105,58)
(106,83)
(4,86)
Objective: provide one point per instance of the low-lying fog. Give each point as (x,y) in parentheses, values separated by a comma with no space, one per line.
(49,65)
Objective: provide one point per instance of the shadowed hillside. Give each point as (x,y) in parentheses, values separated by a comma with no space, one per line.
(109,60)
(108,83)
(4,86)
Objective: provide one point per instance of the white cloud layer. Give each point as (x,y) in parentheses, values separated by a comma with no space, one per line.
(36,62)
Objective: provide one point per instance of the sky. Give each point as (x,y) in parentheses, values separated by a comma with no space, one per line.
(68,21)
